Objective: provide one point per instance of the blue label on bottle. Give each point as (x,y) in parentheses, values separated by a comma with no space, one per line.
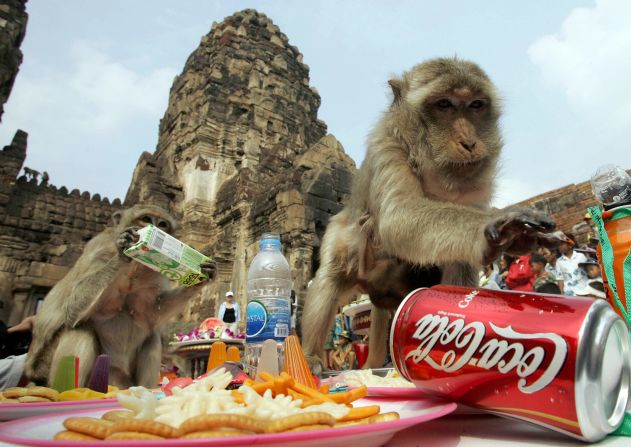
(267,318)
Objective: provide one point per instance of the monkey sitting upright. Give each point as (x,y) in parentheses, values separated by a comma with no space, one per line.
(107,304)
(419,210)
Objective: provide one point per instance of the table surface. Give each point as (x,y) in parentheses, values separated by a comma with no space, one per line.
(481,430)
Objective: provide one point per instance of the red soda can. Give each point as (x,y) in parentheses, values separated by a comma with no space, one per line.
(560,362)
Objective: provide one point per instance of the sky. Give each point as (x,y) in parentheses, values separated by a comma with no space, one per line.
(96,76)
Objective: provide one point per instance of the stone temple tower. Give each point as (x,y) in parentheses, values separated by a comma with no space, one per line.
(241,152)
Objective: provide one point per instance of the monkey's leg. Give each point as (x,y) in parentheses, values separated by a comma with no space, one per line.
(459,274)
(76,342)
(148,361)
(320,309)
(378,334)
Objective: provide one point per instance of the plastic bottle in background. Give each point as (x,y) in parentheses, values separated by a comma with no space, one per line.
(269,303)
(612,186)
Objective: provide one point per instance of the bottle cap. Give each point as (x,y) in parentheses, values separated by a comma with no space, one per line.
(611,184)
(270,240)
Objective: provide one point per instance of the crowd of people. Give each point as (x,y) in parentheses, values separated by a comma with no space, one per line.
(571,270)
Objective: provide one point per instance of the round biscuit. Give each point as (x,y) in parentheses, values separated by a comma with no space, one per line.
(298,420)
(215,434)
(132,436)
(384,417)
(310,427)
(145,426)
(9,401)
(68,435)
(42,391)
(89,426)
(14,393)
(117,415)
(214,421)
(32,399)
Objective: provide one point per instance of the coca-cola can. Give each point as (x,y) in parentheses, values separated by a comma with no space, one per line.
(560,362)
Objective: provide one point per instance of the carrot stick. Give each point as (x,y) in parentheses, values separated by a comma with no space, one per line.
(360,413)
(310,392)
(324,389)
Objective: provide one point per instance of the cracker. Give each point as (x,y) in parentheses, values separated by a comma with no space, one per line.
(14,393)
(384,417)
(42,391)
(68,435)
(215,421)
(89,426)
(299,420)
(132,436)
(145,426)
(9,401)
(215,434)
(310,427)
(117,415)
(32,399)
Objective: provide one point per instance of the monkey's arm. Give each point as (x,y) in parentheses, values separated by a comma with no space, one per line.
(415,228)
(169,302)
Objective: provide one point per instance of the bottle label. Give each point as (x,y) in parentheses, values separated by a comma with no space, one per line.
(267,318)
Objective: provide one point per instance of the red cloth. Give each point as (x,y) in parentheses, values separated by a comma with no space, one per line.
(520,277)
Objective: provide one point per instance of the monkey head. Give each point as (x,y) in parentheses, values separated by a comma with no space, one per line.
(143,215)
(447,112)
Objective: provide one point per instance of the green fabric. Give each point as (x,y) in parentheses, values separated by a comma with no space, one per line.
(607,263)
(607,259)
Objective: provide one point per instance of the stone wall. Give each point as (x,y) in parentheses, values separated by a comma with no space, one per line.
(13,20)
(567,206)
(42,231)
(241,152)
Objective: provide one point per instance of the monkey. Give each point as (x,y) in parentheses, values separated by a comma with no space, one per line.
(419,210)
(109,304)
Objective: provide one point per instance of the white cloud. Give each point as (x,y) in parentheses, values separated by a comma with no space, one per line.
(86,117)
(589,60)
(510,190)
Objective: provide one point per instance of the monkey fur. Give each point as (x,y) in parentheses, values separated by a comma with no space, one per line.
(107,304)
(419,211)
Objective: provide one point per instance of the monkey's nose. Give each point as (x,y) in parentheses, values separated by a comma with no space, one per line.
(469,146)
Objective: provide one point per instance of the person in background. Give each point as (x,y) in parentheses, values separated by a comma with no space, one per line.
(593,289)
(520,277)
(538,267)
(334,336)
(489,278)
(592,270)
(505,262)
(551,257)
(229,311)
(571,275)
(343,357)
(12,367)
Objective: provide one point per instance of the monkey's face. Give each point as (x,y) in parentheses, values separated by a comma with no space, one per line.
(454,110)
(461,129)
(143,215)
(157,221)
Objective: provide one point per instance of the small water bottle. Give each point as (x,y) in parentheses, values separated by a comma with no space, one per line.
(612,186)
(269,304)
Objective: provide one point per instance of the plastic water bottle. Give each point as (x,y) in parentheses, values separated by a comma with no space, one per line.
(269,303)
(612,186)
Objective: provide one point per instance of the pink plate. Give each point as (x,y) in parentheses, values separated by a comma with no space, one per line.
(402,393)
(9,412)
(39,430)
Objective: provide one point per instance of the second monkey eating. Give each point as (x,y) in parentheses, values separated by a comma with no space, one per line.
(419,211)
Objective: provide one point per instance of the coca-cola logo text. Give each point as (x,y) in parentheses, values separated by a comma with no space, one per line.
(497,353)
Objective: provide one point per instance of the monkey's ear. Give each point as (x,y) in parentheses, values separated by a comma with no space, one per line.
(397,89)
(116,217)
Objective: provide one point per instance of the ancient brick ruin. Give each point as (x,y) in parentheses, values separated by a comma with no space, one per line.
(241,151)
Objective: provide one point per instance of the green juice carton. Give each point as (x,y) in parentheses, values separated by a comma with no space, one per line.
(162,252)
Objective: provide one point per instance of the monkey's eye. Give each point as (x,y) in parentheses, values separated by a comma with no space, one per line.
(146,219)
(444,103)
(163,225)
(476,104)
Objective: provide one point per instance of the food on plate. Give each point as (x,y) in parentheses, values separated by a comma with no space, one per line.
(367,378)
(295,362)
(28,395)
(87,394)
(206,409)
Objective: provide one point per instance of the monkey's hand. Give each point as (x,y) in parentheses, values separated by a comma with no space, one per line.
(517,231)
(209,268)
(125,240)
